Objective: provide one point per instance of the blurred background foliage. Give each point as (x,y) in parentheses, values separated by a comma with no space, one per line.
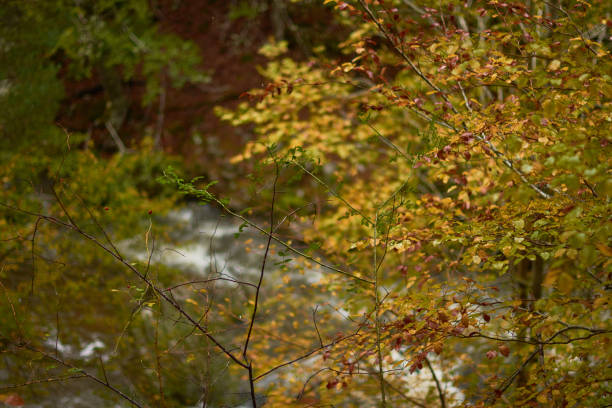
(96,99)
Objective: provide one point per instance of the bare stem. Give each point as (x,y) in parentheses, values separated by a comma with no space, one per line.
(438,386)
(377,320)
(263,267)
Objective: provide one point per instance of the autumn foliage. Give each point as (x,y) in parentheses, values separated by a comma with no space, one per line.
(460,157)
(433,199)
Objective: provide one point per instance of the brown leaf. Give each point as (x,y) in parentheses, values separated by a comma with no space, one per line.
(438,348)
(505,350)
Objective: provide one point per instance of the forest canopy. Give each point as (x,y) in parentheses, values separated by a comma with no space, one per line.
(267,203)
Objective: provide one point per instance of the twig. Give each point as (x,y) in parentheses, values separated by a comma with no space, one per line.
(377,318)
(103,369)
(334,193)
(411,64)
(258,289)
(289,247)
(301,394)
(391,144)
(263,268)
(576,28)
(586,183)
(95,220)
(34,255)
(438,386)
(465,98)
(158,360)
(507,382)
(404,396)
(252,386)
(302,357)
(42,381)
(83,372)
(594,332)
(314,320)
(290,214)
(209,280)
(8,299)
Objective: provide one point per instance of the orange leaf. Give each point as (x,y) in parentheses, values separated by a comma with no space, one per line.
(12,400)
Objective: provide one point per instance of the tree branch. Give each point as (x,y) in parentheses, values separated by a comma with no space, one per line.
(261,274)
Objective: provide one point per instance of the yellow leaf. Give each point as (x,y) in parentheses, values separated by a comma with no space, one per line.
(559,252)
(551,277)
(193,302)
(554,65)
(565,283)
(604,249)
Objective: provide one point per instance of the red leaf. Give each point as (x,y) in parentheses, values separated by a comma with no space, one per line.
(491,354)
(14,400)
(486,317)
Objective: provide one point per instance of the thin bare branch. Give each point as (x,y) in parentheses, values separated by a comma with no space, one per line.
(13,312)
(314,320)
(438,386)
(84,373)
(42,381)
(210,280)
(404,396)
(381,377)
(262,272)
